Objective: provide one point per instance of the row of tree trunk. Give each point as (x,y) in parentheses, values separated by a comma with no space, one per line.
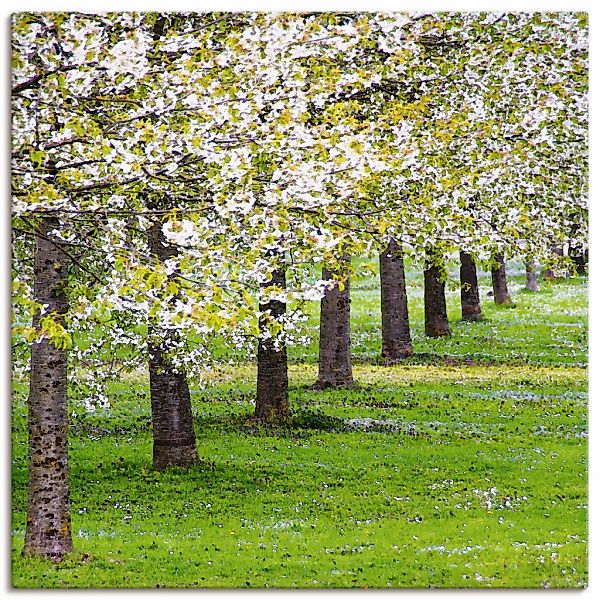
(48,532)
(335,366)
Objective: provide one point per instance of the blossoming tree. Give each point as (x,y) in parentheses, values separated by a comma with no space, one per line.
(176,176)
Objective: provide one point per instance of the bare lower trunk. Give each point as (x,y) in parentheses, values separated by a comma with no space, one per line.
(436,318)
(469,289)
(272,404)
(48,532)
(174,440)
(499,284)
(531,283)
(335,366)
(395,329)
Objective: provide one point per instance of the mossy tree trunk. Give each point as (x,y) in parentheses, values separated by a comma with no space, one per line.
(174,440)
(48,532)
(272,404)
(469,289)
(436,317)
(335,366)
(395,328)
(499,282)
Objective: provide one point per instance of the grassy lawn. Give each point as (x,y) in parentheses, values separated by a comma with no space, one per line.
(466,466)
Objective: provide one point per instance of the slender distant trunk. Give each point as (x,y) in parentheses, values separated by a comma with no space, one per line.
(580,261)
(469,289)
(531,283)
(395,329)
(335,366)
(548,272)
(48,531)
(499,284)
(272,403)
(174,440)
(436,318)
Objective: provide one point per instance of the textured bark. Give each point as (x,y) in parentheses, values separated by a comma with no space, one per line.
(48,532)
(436,318)
(335,366)
(395,329)
(531,283)
(272,403)
(469,289)
(174,440)
(499,285)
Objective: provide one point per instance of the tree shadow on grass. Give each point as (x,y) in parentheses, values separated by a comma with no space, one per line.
(298,422)
(305,423)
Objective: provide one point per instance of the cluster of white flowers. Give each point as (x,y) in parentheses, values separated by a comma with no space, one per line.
(492,500)
(129,56)
(290,133)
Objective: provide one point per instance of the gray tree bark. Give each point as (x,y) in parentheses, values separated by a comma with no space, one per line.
(335,366)
(48,532)
(436,317)
(395,328)
(469,289)
(272,403)
(499,284)
(174,440)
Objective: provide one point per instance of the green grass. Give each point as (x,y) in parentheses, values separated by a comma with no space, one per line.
(464,467)
(548,327)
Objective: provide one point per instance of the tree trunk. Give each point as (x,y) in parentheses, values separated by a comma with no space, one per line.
(531,283)
(580,261)
(469,289)
(395,329)
(436,318)
(499,285)
(174,440)
(272,403)
(335,366)
(48,531)
(548,272)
